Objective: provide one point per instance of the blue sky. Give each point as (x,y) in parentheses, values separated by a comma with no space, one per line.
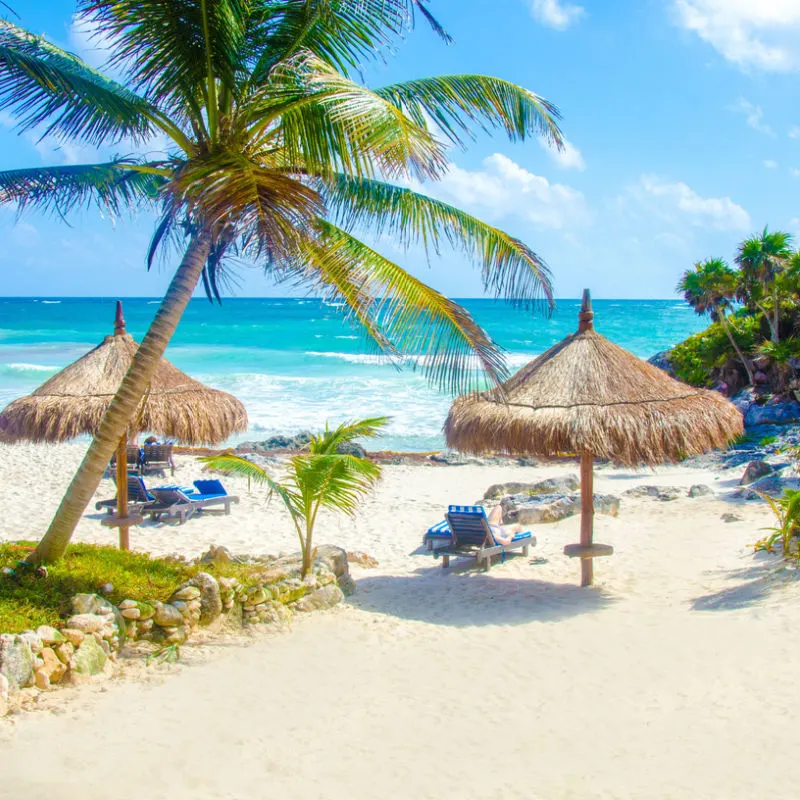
(681,117)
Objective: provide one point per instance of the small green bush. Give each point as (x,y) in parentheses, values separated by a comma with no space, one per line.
(768,440)
(27,601)
(695,358)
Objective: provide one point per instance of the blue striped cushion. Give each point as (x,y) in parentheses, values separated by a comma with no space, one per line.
(439,529)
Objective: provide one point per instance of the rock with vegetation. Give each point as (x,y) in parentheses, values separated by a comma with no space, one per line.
(324,597)
(16,661)
(89,658)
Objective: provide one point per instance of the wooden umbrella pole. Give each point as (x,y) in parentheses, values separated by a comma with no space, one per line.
(122,490)
(587,514)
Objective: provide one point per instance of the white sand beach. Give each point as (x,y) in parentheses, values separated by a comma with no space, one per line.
(673,677)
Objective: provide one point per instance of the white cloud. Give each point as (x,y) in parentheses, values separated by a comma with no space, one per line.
(568,158)
(678,202)
(794,172)
(556,14)
(770,163)
(794,133)
(87,41)
(753,114)
(763,34)
(505,189)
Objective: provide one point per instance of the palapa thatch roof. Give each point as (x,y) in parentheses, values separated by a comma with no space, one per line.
(588,394)
(74,400)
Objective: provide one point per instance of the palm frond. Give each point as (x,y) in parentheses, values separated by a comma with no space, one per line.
(321,119)
(328,441)
(332,481)
(114,185)
(46,88)
(176,52)
(459,103)
(343,33)
(510,269)
(438,335)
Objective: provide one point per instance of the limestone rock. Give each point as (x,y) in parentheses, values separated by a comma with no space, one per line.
(126,604)
(728,517)
(50,635)
(73,636)
(89,658)
(53,667)
(346,584)
(754,471)
(326,597)
(186,592)
(41,679)
(565,484)
(131,613)
(16,661)
(662,493)
(210,599)
(3,687)
(778,411)
(700,490)
(527,510)
(86,622)
(64,651)
(33,640)
(167,616)
(334,558)
(364,560)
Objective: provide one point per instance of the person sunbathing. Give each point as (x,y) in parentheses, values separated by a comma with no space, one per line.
(503,534)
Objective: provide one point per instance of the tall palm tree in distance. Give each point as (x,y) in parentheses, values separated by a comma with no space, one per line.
(762,259)
(710,287)
(277,156)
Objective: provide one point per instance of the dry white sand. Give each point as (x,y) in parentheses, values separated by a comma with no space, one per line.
(675,676)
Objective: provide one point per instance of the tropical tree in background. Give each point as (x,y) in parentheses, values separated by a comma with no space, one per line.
(321,478)
(276,155)
(711,287)
(763,259)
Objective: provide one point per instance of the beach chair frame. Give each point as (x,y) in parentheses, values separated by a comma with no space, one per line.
(174,502)
(138,496)
(472,536)
(158,457)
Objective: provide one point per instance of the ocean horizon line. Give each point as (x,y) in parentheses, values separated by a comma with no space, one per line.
(307,297)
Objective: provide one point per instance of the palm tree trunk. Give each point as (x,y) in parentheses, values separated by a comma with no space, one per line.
(776,313)
(723,320)
(126,401)
(773,331)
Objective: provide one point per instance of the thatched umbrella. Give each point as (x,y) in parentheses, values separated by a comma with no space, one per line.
(588,396)
(74,401)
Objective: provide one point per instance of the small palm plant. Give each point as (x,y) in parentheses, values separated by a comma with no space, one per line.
(320,478)
(787,513)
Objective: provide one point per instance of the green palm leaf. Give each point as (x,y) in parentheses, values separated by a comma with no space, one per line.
(114,185)
(410,316)
(42,85)
(457,103)
(510,269)
(330,440)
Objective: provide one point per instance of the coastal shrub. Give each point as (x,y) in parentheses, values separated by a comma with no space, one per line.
(787,513)
(694,359)
(28,600)
(767,440)
(322,477)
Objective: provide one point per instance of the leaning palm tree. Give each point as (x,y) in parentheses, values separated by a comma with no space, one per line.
(710,287)
(275,155)
(320,478)
(763,258)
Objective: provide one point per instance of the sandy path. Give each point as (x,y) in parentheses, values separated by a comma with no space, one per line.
(674,677)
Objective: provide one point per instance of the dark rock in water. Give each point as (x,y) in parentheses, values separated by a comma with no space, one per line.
(351,449)
(525,509)
(754,471)
(700,490)
(661,360)
(662,493)
(448,458)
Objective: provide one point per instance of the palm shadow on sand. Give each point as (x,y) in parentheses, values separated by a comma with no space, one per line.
(463,596)
(752,585)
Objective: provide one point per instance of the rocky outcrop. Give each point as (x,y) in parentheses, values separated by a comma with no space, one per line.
(661,360)
(533,510)
(16,660)
(565,484)
(760,410)
(755,470)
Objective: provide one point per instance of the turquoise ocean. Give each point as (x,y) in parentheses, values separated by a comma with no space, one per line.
(297,363)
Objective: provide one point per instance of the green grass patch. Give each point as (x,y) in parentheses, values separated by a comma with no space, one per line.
(27,601)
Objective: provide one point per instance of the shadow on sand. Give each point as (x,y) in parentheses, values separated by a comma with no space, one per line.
(462,596)
(753,584)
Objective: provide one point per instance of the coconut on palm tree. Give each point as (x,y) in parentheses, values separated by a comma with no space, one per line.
(320,478)
(710,287)
(276,155)
(762,259)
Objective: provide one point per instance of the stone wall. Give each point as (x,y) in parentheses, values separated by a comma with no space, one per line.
(87,644)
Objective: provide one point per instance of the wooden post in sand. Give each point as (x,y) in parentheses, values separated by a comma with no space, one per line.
(587,515)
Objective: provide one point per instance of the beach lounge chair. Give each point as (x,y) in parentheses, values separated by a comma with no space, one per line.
(138,496)
(437,535)
(157,457)
(135,456)
(471,535)
(176,501)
